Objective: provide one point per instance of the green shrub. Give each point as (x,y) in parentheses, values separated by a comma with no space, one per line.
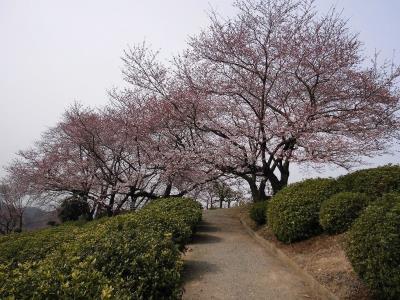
(74,208)
(258,212)
(131,256)
(56,277)
(172,223)
(293,213)
(21,247)
(192,209)
(339,211)
(373,246)
(373,182)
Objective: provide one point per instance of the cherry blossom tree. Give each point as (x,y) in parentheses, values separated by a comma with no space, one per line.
(8,213)
(114,158)
(14,200)
(277,84)
(283,84)
(172,145)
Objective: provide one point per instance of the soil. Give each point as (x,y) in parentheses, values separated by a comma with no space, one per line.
(323,257)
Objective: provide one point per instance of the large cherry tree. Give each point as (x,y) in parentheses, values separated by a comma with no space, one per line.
(279,83)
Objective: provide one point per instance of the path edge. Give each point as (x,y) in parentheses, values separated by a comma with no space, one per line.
(320,291)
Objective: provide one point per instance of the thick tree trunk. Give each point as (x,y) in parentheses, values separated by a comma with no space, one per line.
(258,192)
(167,192)
(278,184)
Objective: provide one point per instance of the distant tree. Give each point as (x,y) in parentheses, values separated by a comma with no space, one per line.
(14,200)
(220,193)
(8,218)
(225,193)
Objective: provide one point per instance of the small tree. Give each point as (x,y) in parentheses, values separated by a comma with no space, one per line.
(225,193)
(14,200)
(8,216)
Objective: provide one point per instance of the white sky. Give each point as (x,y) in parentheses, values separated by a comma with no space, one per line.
(53,52)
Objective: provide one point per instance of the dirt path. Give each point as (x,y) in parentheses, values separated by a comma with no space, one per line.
(224,262)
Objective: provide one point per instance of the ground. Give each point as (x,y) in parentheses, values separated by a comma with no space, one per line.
(324,258)
(224,262)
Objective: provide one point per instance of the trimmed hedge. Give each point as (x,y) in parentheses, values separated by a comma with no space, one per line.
(192,209)
(131,256)
(339,211)
(293,213)
(373,182)
(21,247)
(258,212)
(373,246)
(32,246)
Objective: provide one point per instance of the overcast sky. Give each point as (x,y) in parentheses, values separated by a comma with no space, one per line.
(55,52)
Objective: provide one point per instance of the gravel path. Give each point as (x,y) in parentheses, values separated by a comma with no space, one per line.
(224,262)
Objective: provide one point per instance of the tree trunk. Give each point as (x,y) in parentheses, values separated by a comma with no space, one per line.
(257,193)
(111,205)
(20,219)
(168,190)
(132,205)
(278,184)
(93,212)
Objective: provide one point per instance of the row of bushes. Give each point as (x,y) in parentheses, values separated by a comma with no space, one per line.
(366,201)
(373,246)
(339,211)
(131,256)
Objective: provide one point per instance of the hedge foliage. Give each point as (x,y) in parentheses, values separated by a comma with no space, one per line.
(131,256)
(258,212)
(21,247)
(373,182)
(339,211)
(373,246)
(293,213)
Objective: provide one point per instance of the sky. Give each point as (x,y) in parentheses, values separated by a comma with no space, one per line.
(55,52)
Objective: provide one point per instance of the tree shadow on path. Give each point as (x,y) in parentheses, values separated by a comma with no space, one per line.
(196,269)
(206,227)
(204,238)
